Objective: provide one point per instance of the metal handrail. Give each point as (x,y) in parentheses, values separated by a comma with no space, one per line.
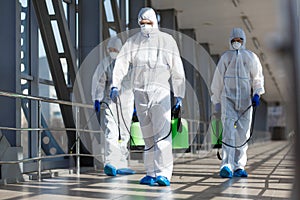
(47,157)
(48,129)
(39,130)
(77,154)
(44,99)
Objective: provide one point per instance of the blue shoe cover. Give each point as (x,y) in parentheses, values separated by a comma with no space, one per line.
(240,173)
(162,181)
(110,170)
(125,171)
(148,180)
(225,172)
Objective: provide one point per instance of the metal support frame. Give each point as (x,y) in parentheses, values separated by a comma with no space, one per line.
(105,24)
(90,34)
(39,176)
(117,19)
(10,61)
(77,142)
(122,4)
(31,112)
(53,56)
(69,51)
(31,74)
(71,15)
(39,157)
(134,8)
(168,19)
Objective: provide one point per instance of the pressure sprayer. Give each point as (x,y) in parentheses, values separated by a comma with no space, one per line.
(216,126)
(180,135)
(179,130)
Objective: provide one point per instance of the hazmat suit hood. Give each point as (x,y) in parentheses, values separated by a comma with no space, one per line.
(149,14)
(114,42)
(237,33)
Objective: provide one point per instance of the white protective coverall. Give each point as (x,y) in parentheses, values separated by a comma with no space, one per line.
(237,73)
(116,153)
(155,60)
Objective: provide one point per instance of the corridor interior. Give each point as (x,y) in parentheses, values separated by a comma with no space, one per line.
(270,167)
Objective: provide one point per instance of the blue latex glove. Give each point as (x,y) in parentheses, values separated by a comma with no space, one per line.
(97,105)
(114,93)
(178,103)
(218,108)
(255,100)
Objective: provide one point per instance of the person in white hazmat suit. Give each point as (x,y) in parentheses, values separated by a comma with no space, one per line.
(155,58)
(238,81)
(116,152)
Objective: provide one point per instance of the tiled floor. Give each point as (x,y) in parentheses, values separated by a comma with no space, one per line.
(270,168)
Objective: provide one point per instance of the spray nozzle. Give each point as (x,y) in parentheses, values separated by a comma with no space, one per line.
(235,124)
(119,139)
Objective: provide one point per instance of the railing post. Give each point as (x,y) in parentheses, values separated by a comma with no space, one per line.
(77,141)
(39,129)
(39,175)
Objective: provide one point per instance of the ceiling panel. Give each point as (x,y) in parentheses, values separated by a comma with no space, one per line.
(214,19)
